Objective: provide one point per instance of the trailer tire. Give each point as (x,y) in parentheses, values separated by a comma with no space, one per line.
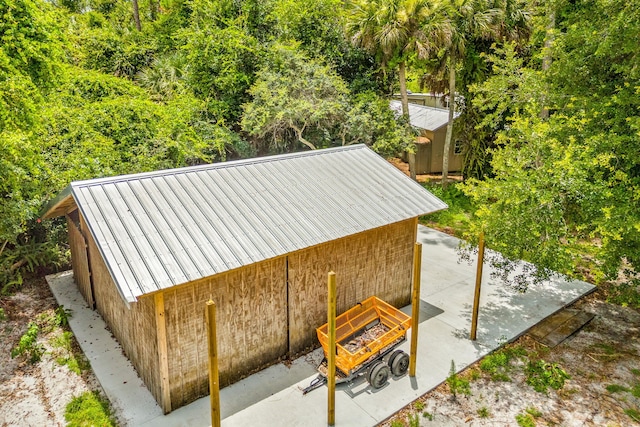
(378,374)
(399,363)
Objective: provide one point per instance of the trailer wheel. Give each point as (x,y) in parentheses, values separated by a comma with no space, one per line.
(399,363)
(378,374)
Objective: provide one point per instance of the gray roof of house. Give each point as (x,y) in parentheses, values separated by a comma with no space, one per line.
(423,117)
(160,229)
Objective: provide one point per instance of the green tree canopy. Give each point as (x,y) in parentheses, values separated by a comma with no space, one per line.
(574,177)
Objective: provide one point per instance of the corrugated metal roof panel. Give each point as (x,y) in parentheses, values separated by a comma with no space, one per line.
(424,117)
(161,229)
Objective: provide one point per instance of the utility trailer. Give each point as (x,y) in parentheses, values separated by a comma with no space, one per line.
(366,339)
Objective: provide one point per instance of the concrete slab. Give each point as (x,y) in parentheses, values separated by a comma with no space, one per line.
(273,396)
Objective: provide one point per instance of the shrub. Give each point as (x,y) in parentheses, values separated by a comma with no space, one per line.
(541,375)
(456,383)
(28,345)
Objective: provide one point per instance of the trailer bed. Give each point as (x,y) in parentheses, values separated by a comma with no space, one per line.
(364,333)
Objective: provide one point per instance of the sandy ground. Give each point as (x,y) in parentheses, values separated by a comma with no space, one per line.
(35,394)
(605,352)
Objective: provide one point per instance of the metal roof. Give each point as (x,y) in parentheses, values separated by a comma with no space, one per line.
(160,229)
(423,117)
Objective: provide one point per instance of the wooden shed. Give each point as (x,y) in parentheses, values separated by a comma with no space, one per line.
(432,124)
(257,236)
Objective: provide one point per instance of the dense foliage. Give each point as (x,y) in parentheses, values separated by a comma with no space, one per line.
(549,101)
(571,175)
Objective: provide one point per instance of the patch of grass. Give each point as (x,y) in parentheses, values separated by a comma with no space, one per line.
(528,417)
(457,216)
(635,390)
(3,315)
(634,414)
(607,348)
(28,345)
(414,420)
(616,388)
(397,423)
(534,412)
(418,405)
(473,374)
(457,384)
(525,420)
(89,409)
(427,415)
(65,355)
(484,412)
(635,372)
(542,375)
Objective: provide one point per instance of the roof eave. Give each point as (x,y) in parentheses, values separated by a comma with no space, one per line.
(59,205)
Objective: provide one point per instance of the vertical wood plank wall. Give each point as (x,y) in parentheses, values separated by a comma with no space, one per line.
(252,327)
(133,326)
(80,262)
(376,262)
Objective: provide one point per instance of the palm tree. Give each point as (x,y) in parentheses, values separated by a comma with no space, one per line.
(397,30)
(136,14)
(467,19)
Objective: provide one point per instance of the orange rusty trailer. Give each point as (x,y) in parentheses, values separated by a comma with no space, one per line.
(366,336)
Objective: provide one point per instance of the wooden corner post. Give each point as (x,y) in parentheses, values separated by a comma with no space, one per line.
(214,384)
(331,356)
(476,297)
(163,358)
(415,307)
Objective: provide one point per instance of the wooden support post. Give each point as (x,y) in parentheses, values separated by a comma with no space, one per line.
(163,358)
(214,384)
(331,356)
(415,308)
(476,297)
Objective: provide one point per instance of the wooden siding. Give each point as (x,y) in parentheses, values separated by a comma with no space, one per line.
(376,262)
(134,327)
(251,322)
(80,262)
(434,164)
(266,311)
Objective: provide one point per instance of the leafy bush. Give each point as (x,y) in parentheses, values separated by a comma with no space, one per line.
(541,375)
(28,345)
(626,294)
(62,316)
(498,363)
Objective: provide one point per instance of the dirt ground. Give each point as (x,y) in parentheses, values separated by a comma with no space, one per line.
(605,354)
(37,394)
(602,359)
(404,167)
